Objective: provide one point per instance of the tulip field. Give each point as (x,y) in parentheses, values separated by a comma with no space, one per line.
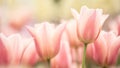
(89,39)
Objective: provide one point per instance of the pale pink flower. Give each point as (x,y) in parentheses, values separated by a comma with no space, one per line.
(71,31)
(63,59)
(30,56)
(89,23)
(47,39)
(104,50)
(17,20)
(12,49)
(4,54)
(20,17)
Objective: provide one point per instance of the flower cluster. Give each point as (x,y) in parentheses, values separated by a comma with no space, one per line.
(64,45)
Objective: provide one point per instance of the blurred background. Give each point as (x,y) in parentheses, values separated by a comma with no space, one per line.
(55,10)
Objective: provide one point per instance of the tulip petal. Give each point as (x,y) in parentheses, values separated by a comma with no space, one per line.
(57,37)
(72,33)
(37,40)
(101,49)
(91,52)
(63,58)
(29,54)
(3,53)
(75,14)
(90,30)
(113,51)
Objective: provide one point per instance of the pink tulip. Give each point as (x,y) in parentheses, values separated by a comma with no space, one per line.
(47,39)
(30,56)
(71,32)
(12,49)
(16,22)
(89,23)
(20,17)
(63,58)
(104,50)
(3,53)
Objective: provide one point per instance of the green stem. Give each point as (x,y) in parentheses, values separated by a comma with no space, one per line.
(48,61)
(104,67)
(84,56)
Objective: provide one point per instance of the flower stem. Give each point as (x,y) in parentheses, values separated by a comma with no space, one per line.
(48,61)
(84,56)
(104,67)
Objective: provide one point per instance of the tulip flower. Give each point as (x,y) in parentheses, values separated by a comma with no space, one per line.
(89,23)
(30,56)
(71,32)
(3,53)
(20,17)
(63,59)
(105,49)
(12,49)
(47,39)
(17,20)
